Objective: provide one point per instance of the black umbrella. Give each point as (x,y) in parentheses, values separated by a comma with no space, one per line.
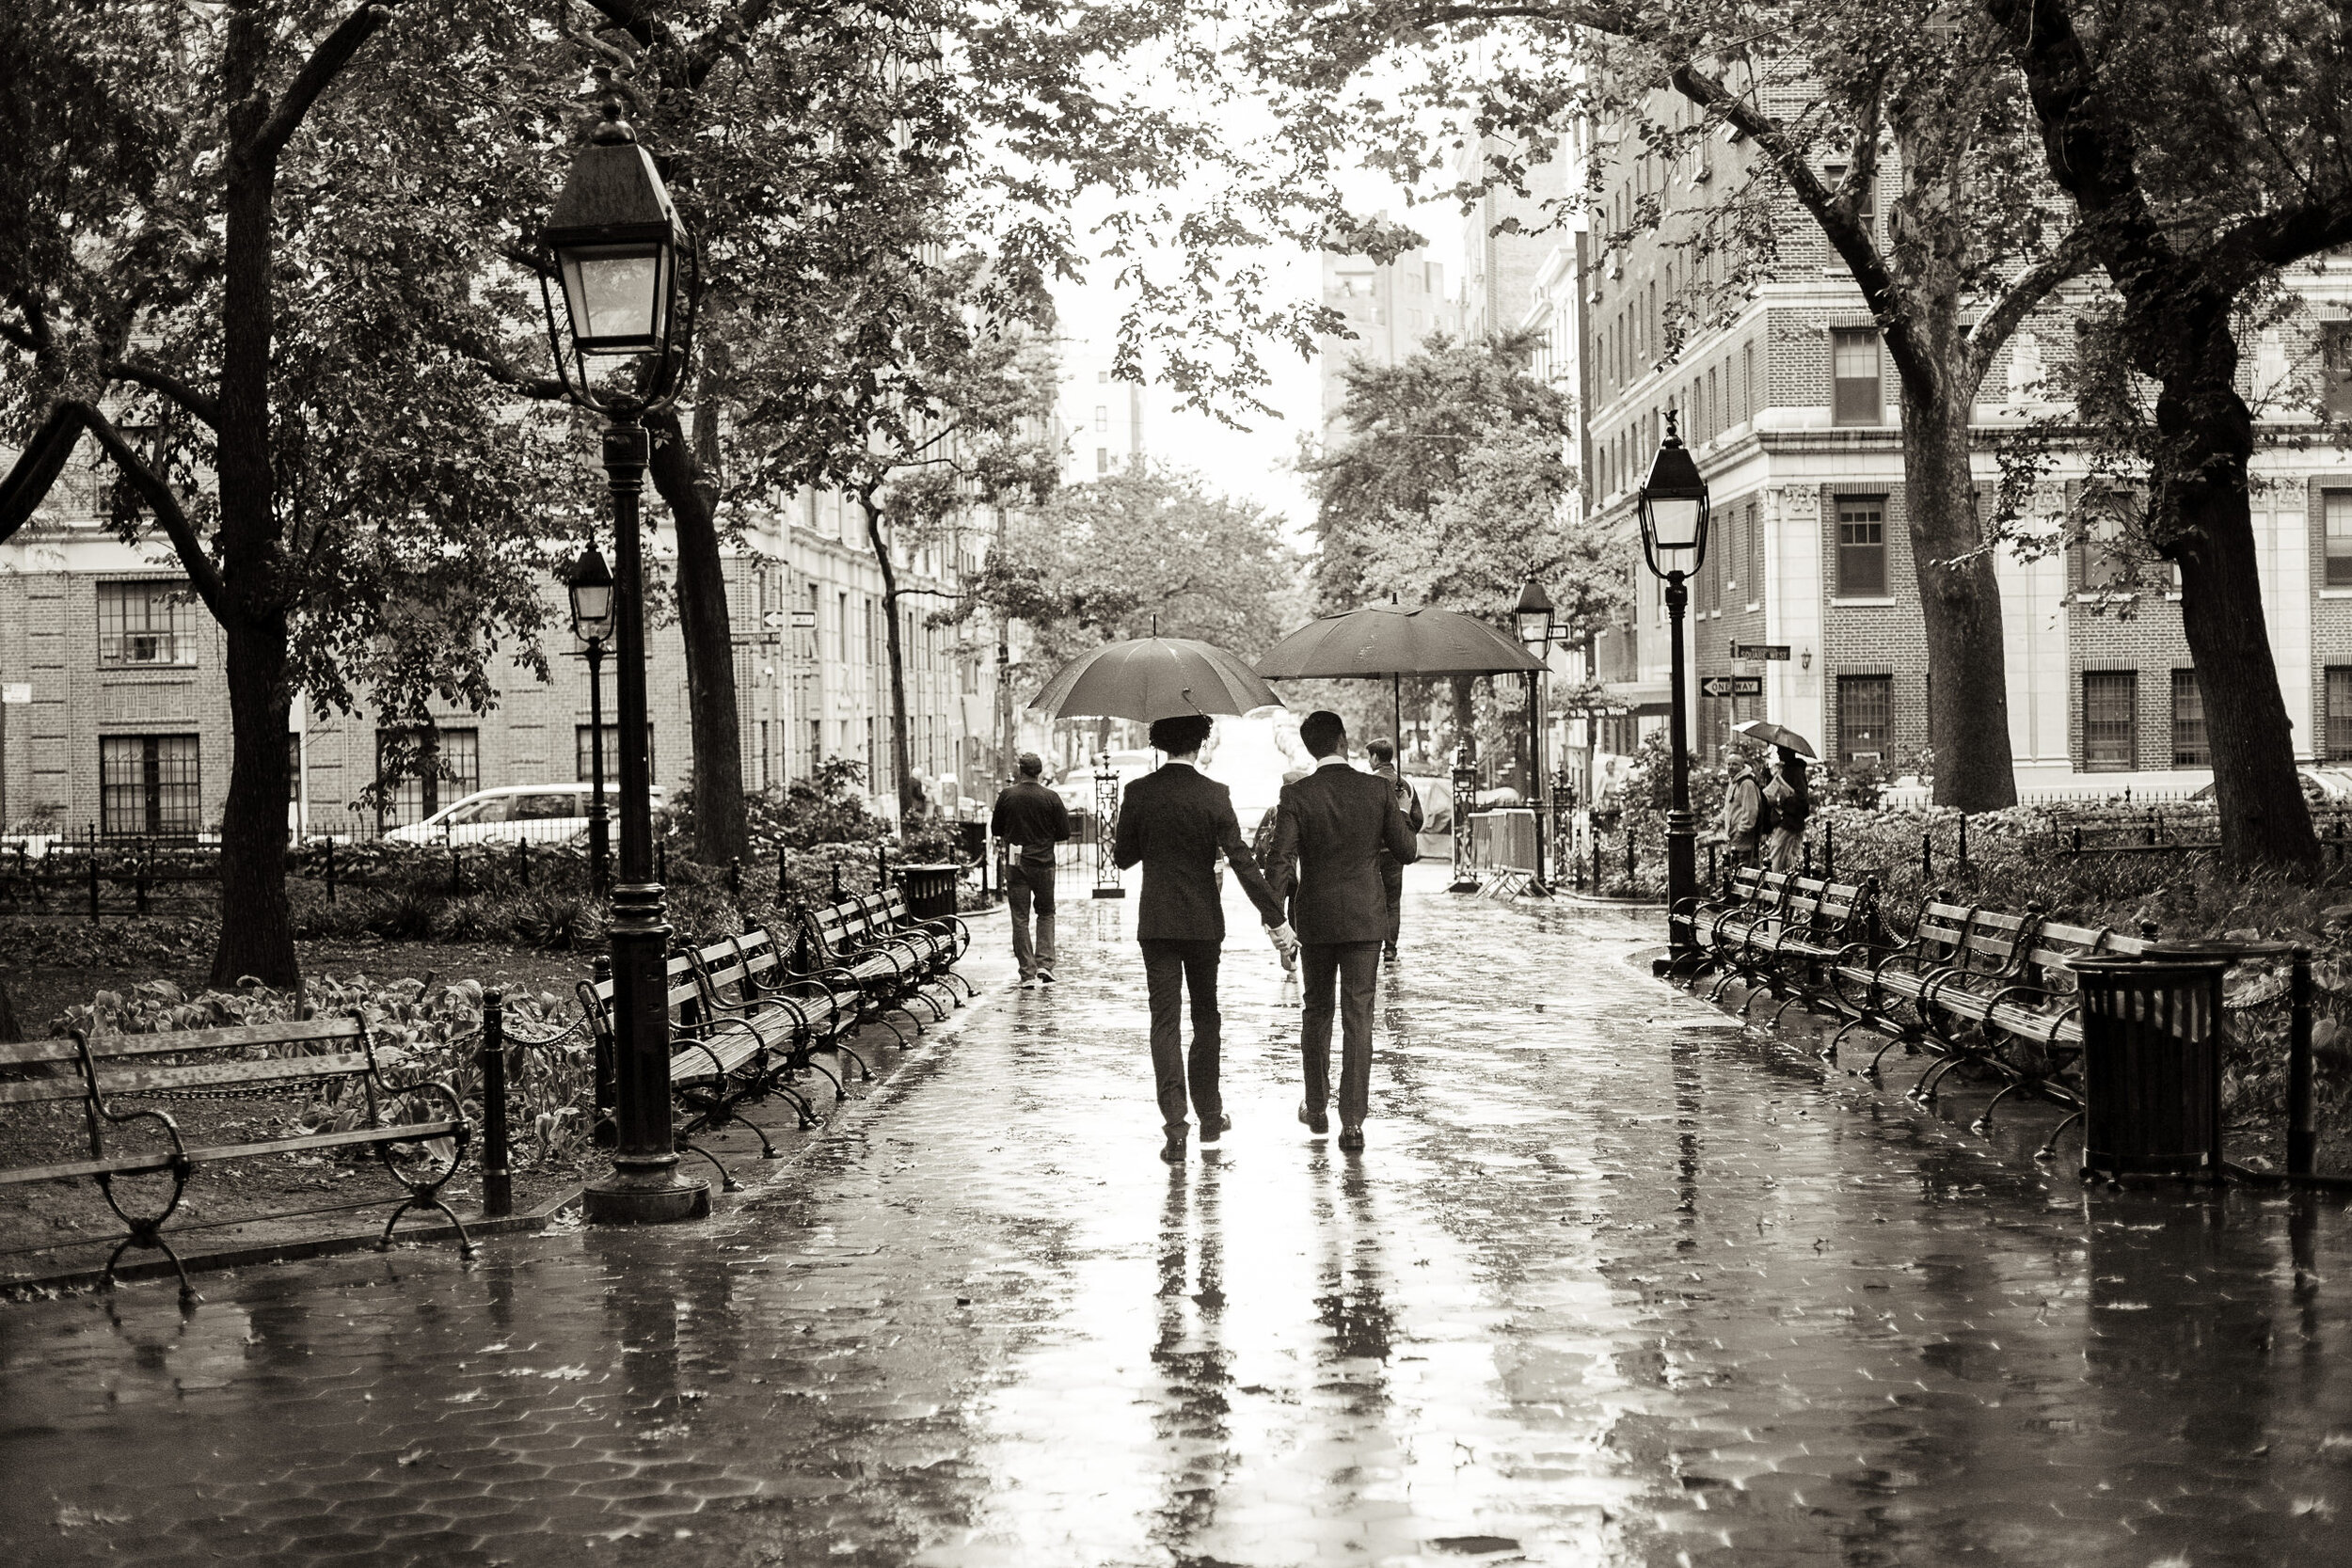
(1392,641)
(1153,677)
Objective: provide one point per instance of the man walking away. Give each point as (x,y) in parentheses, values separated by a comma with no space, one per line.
(1032,818)
(1744,810)
(1175,821)
(1383,753)
(1335,822)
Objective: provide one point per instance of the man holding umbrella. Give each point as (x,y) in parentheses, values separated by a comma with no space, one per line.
(1176,821)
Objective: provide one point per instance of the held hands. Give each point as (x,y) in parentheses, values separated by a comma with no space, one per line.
(1285,943)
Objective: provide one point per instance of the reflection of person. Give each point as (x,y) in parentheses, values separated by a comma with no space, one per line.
(1792,804)
(1032,818)
(1383,755)
(1335,822)
(1175,821)
(1744,809)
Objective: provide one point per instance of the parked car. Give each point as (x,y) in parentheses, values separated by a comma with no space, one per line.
(2322,786)
(540,813)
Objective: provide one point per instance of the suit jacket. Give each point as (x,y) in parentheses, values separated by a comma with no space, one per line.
(1174,821)
(1336,822)
(1409,805)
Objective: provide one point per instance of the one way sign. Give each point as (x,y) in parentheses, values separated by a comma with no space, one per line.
(1732,685)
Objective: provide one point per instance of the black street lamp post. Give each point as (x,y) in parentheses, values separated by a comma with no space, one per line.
(614,241)
(591,588)
(1532,616)
(1672,510)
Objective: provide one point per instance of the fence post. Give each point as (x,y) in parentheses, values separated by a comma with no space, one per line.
(735,877)
(836,881)
(498,1176)
(2078,840)
(1829,852)
(1594,838)
(881,867)
(661,863)
(1711,876)
(1927,856)
(1964,843)
(784,876)
(1805,866)
(1628,859)
(2148,833)
(522,861)
(330,869)
(93,873)
(456,870)
(2302,1130)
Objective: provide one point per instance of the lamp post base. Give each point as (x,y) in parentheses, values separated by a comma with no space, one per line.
(655,1197)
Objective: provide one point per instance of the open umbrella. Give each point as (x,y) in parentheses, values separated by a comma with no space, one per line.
(1394,640)
(1763,731)
(1153,677)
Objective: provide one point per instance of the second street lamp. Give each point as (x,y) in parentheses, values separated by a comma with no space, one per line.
(1533,615)
(615,244)
(590,588)
(1672,510)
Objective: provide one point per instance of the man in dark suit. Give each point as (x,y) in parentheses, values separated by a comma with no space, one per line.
(1383,753)
(1032,820)
(1335,823)
(1175,820)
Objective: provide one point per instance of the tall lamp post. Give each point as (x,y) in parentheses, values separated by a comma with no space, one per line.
(614,242)
(1534,617)
(1672,510)
(590,588)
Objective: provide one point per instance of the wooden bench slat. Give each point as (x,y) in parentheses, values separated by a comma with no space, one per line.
(134,1080)
(118,1164)
(28,1051)
(34,1091)
(292,1032)
(402,1133)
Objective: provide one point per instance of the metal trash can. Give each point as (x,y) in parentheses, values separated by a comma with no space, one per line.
(930,890)
(972,841)
(2151,1065)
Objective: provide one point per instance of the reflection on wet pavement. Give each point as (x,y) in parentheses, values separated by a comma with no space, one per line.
(1614,1283)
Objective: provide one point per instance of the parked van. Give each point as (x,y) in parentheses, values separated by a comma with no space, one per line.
(541,813)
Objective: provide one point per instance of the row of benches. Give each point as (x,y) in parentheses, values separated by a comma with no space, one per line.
(1966,985)
(750,1014)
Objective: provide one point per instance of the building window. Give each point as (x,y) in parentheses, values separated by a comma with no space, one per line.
(1101,416)
(1755,555)
(1855,394)
(145,624)
(2335,511)
(2339,735)
(418,771)
(2097,559)
(2110,722)
(147,784)
(2190,749)
(2335,363)
(1862,547)
(583,764)
(1866,706)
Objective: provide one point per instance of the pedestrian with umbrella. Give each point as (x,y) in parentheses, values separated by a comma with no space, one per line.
(1788,795)
(1175,822)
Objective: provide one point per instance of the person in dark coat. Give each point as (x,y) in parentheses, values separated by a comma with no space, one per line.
(1176,820)
(1334,823)
(1032,820)
(1383,755)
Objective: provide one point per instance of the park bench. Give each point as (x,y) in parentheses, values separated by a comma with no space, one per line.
(1776,931)
(866,944)
(330,1057)
(750,978)
(719,1063)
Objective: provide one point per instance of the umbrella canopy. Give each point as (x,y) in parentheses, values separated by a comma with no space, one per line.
(1763,731)
(1392,640)
(1153,677)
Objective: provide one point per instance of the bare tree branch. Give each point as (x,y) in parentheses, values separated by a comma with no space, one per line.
(325,63)
(2074,255)
(203,576)
(157,379)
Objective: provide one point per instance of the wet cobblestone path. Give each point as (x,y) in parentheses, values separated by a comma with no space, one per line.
(1612,1284)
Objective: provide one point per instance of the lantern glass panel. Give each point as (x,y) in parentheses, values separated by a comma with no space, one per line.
(1535,626)
(1674,523)
(617,296)
(592,611)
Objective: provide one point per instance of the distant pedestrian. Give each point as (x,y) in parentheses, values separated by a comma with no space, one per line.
(1033,820)
(1176,820)
(1383,755)
(1791,802)
(1744,810)
(1334,823)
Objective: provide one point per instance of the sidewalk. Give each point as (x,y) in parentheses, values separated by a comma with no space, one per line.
(1614,1283)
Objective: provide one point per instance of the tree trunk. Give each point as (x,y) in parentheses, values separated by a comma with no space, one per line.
(1961,607)
(259,941)
(2203,521)
(722,826)
(897,658)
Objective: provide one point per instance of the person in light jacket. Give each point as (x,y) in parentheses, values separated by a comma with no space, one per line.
(1744,809)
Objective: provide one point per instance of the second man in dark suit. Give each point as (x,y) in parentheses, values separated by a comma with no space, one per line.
(1334,823)
(1176,820)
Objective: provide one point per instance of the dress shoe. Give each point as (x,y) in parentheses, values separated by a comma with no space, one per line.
(1211,1131)
(1029,984)
(1314,1120)
(1352,1139)
(1173,1150)
(1045,976)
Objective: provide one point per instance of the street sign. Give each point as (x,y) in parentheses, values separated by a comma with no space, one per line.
(803,620)
(1716,686)
(1747,685)
(775,620)
(1774,651)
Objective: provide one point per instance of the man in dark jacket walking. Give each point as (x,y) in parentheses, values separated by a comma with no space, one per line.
(1176,820)
(1032,820)
(1336,822)
(1383,755)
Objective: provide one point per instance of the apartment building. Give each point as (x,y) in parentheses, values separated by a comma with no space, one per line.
(1791,410)
(115,711)
(1391,307)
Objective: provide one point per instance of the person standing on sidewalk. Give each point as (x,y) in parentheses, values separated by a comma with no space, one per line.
(1790,802)
(1033,820)
(1383,755)
(1335,822)
(1175,820)
(1744,816)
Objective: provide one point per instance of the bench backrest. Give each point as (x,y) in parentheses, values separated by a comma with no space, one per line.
(685,993)
(191,1059)
(2056,945)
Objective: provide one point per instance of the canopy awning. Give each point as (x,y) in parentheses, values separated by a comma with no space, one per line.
(1642,698)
